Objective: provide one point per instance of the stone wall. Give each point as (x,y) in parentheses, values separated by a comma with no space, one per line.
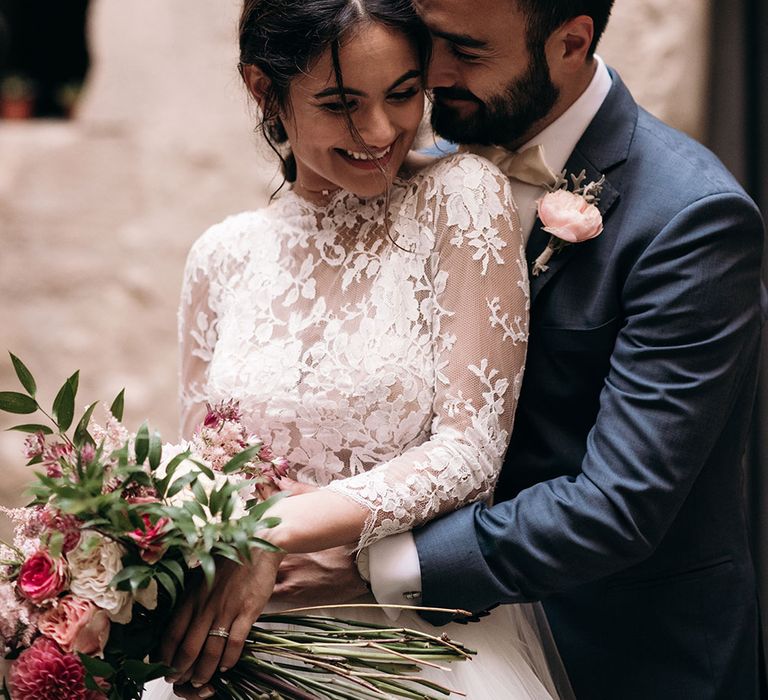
(96,215)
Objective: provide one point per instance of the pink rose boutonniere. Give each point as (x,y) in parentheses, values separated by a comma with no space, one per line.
(570,216)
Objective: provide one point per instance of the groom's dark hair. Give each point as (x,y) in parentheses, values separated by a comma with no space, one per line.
(545,16)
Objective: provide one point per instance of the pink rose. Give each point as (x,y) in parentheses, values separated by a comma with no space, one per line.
(569,216)
(42,577)
(150,539)
(77,625)
(45,671)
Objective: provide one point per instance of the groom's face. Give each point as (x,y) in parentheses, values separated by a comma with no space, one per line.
(489,86)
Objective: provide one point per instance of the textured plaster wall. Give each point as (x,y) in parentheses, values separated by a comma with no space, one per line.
(96,215)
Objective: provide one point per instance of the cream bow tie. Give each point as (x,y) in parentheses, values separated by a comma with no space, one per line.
(528,166)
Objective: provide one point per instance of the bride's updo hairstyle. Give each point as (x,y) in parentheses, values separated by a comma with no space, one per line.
(283,38)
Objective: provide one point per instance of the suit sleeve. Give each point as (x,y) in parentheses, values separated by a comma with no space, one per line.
(692,313)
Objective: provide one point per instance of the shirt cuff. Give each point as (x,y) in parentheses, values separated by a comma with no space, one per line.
(395,572)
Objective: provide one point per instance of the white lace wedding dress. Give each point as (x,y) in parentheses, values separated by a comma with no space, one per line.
(384,361)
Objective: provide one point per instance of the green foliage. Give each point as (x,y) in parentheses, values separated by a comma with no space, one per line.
(15,402)
(118,405)
(24,375)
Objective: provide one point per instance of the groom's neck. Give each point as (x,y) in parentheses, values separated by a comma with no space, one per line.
(569,91)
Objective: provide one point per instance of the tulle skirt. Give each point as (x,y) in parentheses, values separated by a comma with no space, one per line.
(516,655)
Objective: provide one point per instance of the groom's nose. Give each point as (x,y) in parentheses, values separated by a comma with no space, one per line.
(442,66)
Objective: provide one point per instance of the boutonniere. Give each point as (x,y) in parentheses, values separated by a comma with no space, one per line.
(569,215)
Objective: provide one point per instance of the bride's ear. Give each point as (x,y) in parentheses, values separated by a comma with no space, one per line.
(257,82)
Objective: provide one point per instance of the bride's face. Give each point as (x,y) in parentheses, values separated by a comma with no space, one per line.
(383,85)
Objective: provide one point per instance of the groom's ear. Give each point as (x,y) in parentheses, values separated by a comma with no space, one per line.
(568,46)
(257,82)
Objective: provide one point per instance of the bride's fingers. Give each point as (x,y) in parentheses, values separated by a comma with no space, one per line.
(294,487)
(189,650)
(174,634)
(241,627)
(208,661)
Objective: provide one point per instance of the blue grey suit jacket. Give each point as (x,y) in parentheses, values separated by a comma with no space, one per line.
(620,504)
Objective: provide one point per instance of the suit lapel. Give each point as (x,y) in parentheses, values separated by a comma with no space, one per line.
(601,150)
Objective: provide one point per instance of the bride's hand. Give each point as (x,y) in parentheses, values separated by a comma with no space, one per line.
(232,605)
(284,485)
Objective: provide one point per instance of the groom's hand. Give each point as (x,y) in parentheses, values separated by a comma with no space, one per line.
(327,577)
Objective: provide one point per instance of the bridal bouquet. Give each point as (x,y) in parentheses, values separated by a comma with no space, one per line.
(102,553)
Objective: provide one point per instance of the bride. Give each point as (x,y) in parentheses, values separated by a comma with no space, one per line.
(371,322)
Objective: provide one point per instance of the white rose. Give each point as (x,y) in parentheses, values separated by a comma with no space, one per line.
(92,569)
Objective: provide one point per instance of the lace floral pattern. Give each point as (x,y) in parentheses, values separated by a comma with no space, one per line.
(384,362)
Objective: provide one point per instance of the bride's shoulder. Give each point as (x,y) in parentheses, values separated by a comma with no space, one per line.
(226,238)
(459,169)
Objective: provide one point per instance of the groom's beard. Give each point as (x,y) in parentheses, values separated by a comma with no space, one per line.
(504,118)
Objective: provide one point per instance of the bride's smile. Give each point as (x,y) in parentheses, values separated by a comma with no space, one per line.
(354,135)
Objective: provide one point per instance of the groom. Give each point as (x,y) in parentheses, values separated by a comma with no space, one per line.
(620,503)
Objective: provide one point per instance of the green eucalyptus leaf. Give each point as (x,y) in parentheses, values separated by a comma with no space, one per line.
(81,432)
(64,406)
(155,450)
(24,375)
(263,544)
(239,460)
(228,507)
(32,428)
(259,509)
(141,446)
(118,405)
(16,402)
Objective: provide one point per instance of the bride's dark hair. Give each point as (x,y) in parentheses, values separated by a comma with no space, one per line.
(283,38)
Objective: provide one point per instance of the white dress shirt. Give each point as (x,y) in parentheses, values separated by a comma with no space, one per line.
(394,569)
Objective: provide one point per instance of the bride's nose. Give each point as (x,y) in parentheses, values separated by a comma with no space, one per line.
(377,129)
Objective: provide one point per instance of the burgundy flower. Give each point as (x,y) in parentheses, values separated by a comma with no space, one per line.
(150,539)
(68,525)
(53,457)
(42,577)
(45,671)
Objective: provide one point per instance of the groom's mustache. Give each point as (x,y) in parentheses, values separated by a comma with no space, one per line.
(454,94)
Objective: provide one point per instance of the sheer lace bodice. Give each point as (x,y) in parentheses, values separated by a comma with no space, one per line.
(384,362)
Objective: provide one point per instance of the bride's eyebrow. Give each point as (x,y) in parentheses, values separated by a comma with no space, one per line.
(335,90)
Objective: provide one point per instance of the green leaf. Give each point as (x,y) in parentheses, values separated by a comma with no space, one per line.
(56,543)
(179,484)
(155,450)
(81,432)
(16,402)
(64,406)
(170,470)
(118,405)
(32,428)
(260,508)
(141,446)
(199,491)
(175,569)
(203,467)
(143,673)
(169,584)
(194,508)
(24,375)
(96,667)
(240,459)
(208,565)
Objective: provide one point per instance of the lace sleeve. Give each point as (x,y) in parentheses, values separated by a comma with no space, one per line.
(480,333)
(197,336)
